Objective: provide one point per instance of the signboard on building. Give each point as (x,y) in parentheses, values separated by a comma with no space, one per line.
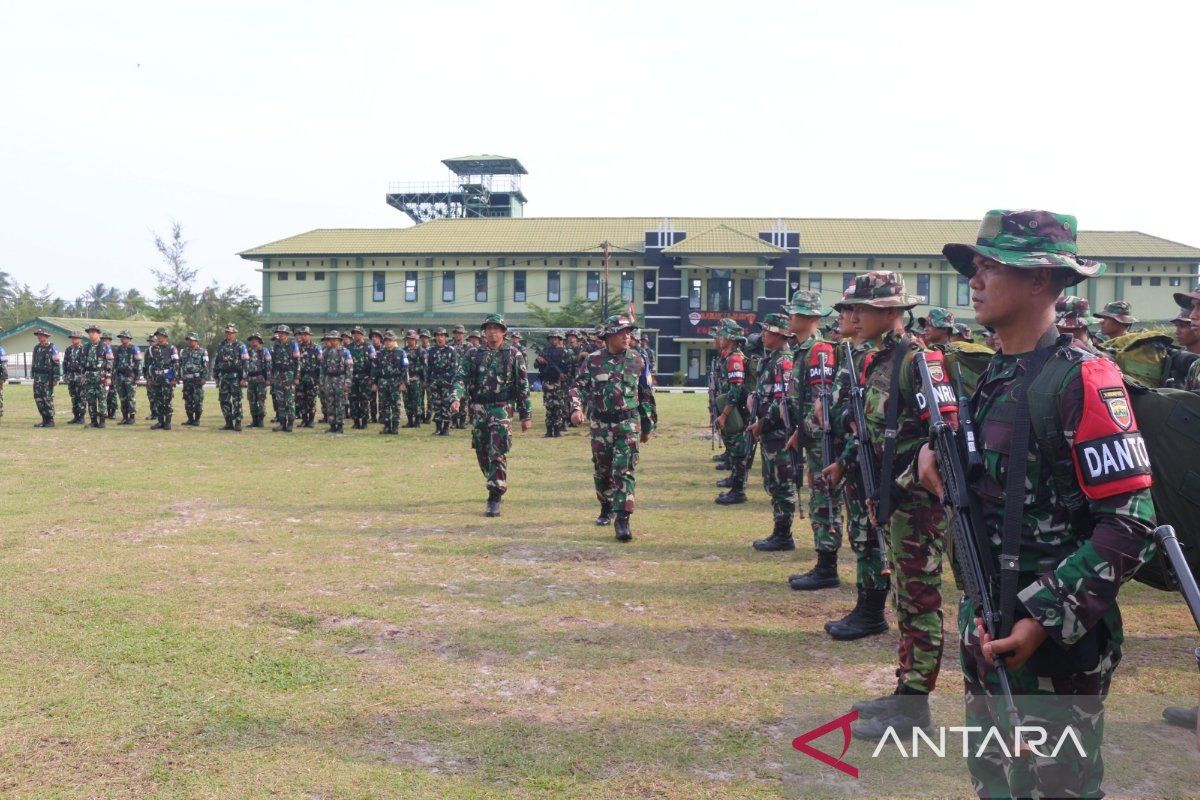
(703,322)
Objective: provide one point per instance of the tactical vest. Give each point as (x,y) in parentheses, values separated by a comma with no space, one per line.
(333,362)
(228,356)
(125,360)
(256,367)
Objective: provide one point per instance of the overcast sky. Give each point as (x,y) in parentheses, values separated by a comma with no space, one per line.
(253,121)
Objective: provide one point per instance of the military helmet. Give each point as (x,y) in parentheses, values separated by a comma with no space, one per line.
(459,328)
(554,335)
(493,319)
(125,334)
(255,335)
(162,332)
(616,324)
(1026,239)
(91,328)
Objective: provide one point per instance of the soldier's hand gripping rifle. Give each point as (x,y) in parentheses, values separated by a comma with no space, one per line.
(793,456)
(866,451)
(972,551)
(827,455)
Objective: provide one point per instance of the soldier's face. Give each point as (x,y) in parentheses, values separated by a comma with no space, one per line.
(358,337)
(618,342)
(94,336)
(493,335)
(230,336)
(162,339)
(458,338)
(1110,327)
(303,338)
(192,343)
(1187,333)
(441,340)
(1195,315)
(846,322)
(871,322)
(937,336)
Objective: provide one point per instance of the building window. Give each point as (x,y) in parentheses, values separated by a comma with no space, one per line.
(481,286)
(814,281)
(746,294)
(794,282)
(283,276)
(694,294)
(448,286)
(923,288)
(553,286)
(301,275)
(627,285)
(593,286)
(1136,280)
(378,286)
(1156,281)
(410,286)
(964,291)
(318,276)
(1175,282)
(650,287)
(519,286)
(719,289)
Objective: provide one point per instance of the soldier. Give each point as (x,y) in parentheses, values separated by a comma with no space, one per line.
(552,365)
(426,413)
(285,376)
(151,400)
(937,327)
(1190,303)
(1073,321)
(229,372)
(1116,319)
(391,375)
(274,396)
(337,370)
(193,367)
(376,338)
(363,353)
(3,376)
(72,370)
(441,366)
(495,382)
(1073,532)
(415,388)
(110,395)
(258,378)
(729,400)
(774,376)
(621,389)
(915,520)
(97,375)
(961,333)
(310,377)
(162,368)
(46,368)
(459,342)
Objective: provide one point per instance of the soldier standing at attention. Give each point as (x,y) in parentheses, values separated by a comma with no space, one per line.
(1075,532)
(1073,320)
(495,382)
(151,400)
(460,343)
(3,376)
(285,375)
(162,368)
(193,367)
(391,374)
(426,407)
(1115,319)
(937,327)
(731,390)
(310,377)
(46,368)
(337,369)
(97,375)
(774,377)
(915,520)
(258,379)
(442,366)
(415,388)
(72,370)
(363,353)
(376,338)
(552,365)
(110,395)
(229,371)
(623,415)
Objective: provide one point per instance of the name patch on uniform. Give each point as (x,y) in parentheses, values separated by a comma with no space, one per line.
(603,376)
(1112,458)
(1117,403)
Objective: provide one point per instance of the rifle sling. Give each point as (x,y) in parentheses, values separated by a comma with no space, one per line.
(892,418)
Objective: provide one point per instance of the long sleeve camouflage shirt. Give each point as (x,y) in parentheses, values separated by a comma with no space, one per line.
(617,388)
(496,380)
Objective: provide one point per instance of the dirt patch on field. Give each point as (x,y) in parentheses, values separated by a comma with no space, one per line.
(530,553)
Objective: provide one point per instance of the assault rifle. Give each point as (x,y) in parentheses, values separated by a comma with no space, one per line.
(966,425)
(1184,580)
(827,454)
(866,452)
(793,456)
(972,551)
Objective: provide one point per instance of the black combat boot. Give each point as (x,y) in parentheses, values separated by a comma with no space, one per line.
(865,620)
(1178,715)
(725,483)
(47,422)
(158,423)
(228,424)
(621,527)
(780,538)
(446,428)
(822,576)
(493,504)
(733,497)
(237,426)
(197,422)
(906,710)
(410,423)
(722,466)
(257,422)
(74,420)
(101,420)
(723,456)
(167,425)
(606,514)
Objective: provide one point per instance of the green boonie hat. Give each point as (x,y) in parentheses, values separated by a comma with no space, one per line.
(106,335)
(845,304)
(807,302)
(1182,318)
(1184,299)
(40,332)
(962,329)
(475,335)
(125,335)
(776,322)
(938,318)
(554,335)
(151,338)
(1027,239)
(192,337)
(880,289)
(91,328)
(1120,310)
(375,332)
(76,334)
(330,335)
(425,332)
(441,332)
(516,334)
(493,319)
(162,332)
(231,328)
(460,328)
(282,329)
(410,334)
(304,329)
(615,324)
(1076,313)
(345,335)
(255,335)
(390,336)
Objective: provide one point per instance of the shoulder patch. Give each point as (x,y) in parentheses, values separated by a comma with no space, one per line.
(1110,453)
(817,374)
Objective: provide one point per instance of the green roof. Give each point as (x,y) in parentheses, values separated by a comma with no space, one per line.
(723,240)
(139,328)
(585,235)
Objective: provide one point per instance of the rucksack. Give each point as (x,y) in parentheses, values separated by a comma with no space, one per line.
(969,360)
(1151,358)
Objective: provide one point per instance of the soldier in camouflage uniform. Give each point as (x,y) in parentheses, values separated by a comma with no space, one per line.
(915,520)
(162,370)
(193,369)
(46,368)
(415,388)
(229,372)
(937,327)
(460,343)
(1083,528)
(72,371)
(552,366)
(1115,319)
(258,379)
(805,312)
(768,429)
(151,400)
(337,370)
(97,376)
(310,377)
(729,385)
(1187,331)
(285,375)
(441,367)
(1073,320)
(376,338)
(426,404)
(3,376)
(495,382)
(363,353)
(110,395)
(618,381)
(391,374)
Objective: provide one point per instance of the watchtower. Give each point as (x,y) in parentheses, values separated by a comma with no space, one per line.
(478,186)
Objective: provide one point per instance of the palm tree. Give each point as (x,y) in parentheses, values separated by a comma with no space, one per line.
(99,300)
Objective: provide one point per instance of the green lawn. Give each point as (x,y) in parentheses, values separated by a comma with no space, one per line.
(198,613)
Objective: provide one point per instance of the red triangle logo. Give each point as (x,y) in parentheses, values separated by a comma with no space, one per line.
(801,743)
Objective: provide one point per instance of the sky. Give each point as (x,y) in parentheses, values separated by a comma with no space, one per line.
(253,121)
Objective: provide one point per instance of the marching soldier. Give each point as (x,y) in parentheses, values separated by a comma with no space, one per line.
(441,365)
(363,353)
(495,382)
(285,374)
(415,388)
(97,372)
(110,395)
(72,370)
(618,382)
(729,385)
(193,367)
(162,369)
(258,379)
(310,377)
(229,371)
(391,374)
(337,370)
(552,364)
(46,368)
(774,377)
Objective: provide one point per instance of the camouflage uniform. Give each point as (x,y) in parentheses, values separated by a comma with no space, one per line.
(337,369)
(162,370)
(441,365)
(97,372)
(730,389)
(46,368)
(415,388)
(127,368)
(464,347)
(193,368)
(110,392)
(258,377)
(623,410)
(556,383)
(310,379)
(285,370)
(376,339)
(363,354)
(496,384)
(391,373)
(151,400)
(229,370)
(3,378)
(1070,567)
(72,371)
(770,393)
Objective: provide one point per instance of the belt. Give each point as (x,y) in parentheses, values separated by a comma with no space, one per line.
(613,417)
(490,399)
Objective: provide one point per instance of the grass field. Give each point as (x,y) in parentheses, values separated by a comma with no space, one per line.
(197,613)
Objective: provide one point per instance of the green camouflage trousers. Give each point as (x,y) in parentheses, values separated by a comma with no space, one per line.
(43,395)
(283,395)
(867,555)
(95,394)
(735,449)
(777,477)
(256,397)
(162,398)
(75,391)
(306,397)
(491,437)
(1074,699)
(827,530)
(1,399)
(412,398)
(614,459)
(229,394)
(441,396)
(360,387)
(917,537)
(389,402)
(127,393)
(554,398)
(334,394)
(193,398)
(111,398)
